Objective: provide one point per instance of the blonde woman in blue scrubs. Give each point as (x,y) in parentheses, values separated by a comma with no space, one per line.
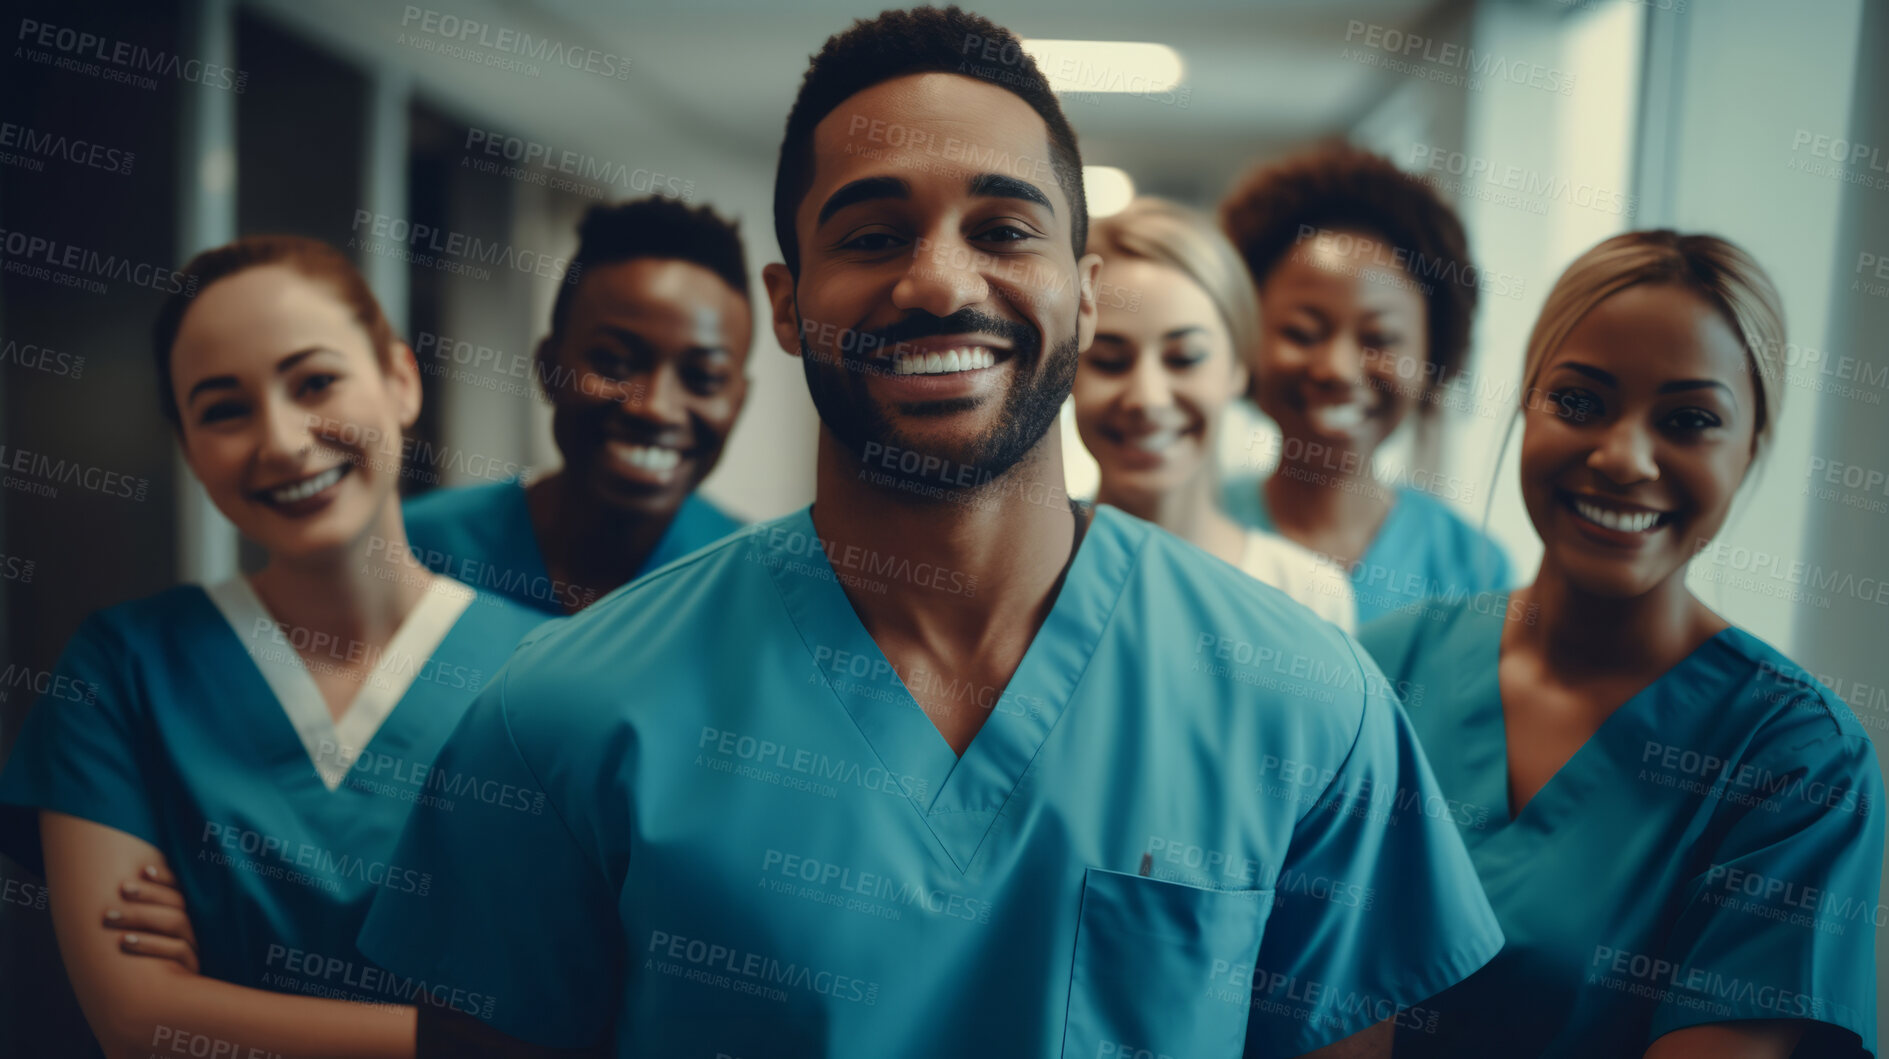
(1174,312)
(215,818)
(1683,840)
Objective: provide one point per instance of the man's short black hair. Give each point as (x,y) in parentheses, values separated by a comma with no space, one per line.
(922,40)
(654,227)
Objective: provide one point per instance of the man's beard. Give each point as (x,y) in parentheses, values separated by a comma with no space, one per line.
(1030,406)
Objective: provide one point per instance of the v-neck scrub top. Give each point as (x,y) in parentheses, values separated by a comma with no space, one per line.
(482,535)
(1422,551)
(1193,824)
(1712,853)
(203,733)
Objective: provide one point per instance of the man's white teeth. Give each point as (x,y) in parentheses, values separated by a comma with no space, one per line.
(1337,418)
(1157,441)
(650,457)
(307,487)
(1621,521)
(965,358)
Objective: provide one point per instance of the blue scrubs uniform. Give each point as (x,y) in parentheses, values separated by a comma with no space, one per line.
(188,720)
(482,535)
(1712,853)
(1424,550)
(1193,824)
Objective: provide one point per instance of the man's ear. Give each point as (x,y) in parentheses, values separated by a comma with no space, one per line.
(1088,268)
(780,297)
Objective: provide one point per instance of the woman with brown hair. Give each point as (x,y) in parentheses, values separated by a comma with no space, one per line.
(248,752)
(1366,292)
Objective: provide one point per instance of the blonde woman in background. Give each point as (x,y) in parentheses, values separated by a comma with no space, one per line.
(1679,829)
(1175,315)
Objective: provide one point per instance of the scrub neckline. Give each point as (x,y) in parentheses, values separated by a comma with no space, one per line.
(1482,684)
(293,687)
(958,798)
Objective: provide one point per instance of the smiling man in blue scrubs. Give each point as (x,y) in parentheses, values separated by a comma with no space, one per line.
(646,369)
(942,765)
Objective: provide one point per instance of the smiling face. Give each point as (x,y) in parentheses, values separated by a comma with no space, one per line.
(1345,336)
(1151,387)
(288,418)
(646,377)
(939,307)
(1637,438)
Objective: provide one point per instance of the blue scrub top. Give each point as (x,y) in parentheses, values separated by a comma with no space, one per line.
(1422,551)
(1712,853)
(1192,802)
(482,535)
(162,723)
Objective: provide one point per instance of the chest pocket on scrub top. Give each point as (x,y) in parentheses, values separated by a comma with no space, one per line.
(1162,969)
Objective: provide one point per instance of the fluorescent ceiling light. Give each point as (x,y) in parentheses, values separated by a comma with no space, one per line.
(1108,189)
(1106,65)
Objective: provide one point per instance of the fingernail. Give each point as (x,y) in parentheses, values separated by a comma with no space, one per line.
(131,889)
(131,939)
(112,915)
(150,871)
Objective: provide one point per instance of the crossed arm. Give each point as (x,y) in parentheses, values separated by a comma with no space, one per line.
(135,1005)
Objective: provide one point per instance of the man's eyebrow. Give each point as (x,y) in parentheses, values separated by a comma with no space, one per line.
(996,185)
(863,190)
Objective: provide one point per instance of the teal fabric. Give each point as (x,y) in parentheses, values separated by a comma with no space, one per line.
(1424,550)
(1189,804)
(482,535)
(176,738)
(1712,853)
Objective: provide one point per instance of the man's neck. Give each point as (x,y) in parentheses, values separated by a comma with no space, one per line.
(993,557)
(586,544)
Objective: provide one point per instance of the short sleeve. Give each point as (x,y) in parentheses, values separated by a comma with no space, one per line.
(1377,906)
(517,922)
(1782,923)
(81,751)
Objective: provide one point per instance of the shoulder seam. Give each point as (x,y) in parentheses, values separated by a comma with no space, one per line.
(505,718)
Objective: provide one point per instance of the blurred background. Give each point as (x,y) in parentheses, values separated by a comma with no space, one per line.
(1764,122)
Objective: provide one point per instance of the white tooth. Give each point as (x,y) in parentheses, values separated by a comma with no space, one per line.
(988,358)
(933,362)
(302,490)
(950,361)
(901,364)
